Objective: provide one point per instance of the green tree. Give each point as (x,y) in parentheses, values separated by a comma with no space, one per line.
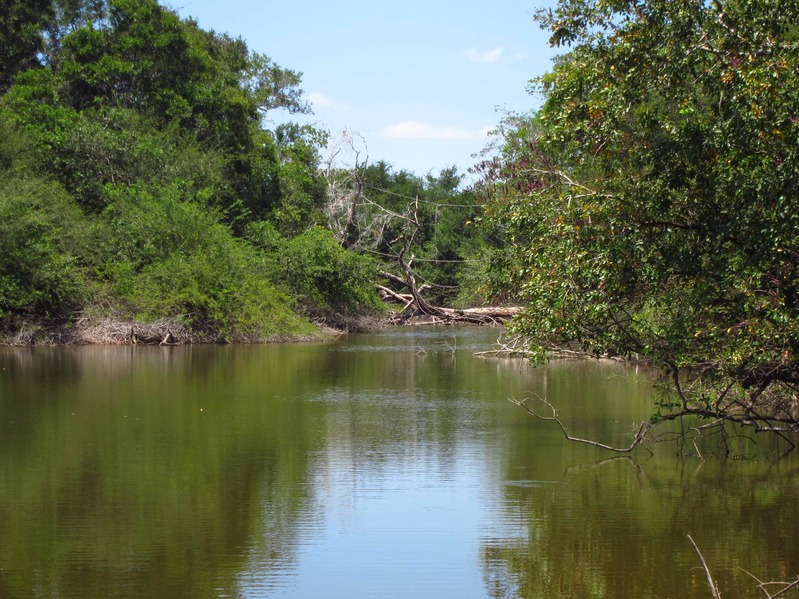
(140,60)
(295,197)
(20,36)
(656,213)
(137,131)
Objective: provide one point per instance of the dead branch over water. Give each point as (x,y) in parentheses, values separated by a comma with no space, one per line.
(768,588)
(638,439)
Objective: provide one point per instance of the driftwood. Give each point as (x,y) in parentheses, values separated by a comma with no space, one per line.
(416,307)
(162,332)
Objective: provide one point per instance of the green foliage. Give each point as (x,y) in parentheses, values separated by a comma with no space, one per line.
(298,194)
(20,36)
(656,212)
(169,256)
(321,275)
(125,69)
(16,150)
(450,243)
(39,270)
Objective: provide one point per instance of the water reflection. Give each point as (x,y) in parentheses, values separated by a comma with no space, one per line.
(383,465)
(619,529)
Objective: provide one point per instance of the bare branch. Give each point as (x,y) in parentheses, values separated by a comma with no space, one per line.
(710,582)
(639,438)
(787,586)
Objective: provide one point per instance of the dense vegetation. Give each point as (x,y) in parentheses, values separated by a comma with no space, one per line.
(652,204)
(649,208)
(139,182)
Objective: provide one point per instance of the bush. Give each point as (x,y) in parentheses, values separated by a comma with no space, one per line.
(220,290)
(323,276)
(39,271)
(173,257)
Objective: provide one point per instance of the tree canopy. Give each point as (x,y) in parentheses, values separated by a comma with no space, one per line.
(135,159)
(652,204)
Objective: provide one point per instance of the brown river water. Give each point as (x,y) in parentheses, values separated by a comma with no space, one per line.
(387,465)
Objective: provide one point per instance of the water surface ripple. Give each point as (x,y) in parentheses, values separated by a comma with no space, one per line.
(388,465)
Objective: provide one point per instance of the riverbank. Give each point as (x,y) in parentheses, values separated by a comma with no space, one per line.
(166,331)
(174,331)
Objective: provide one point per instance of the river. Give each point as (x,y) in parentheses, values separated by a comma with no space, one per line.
(387,465)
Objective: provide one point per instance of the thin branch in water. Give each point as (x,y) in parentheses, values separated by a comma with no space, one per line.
(787,586)
(712,584)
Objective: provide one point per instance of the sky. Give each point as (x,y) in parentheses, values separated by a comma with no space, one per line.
(419,82)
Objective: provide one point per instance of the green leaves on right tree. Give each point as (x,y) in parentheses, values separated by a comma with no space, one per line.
(657,211)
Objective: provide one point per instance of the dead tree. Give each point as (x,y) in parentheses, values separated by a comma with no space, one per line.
(363,224)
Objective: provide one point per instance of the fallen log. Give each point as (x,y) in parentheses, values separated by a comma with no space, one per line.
(492,311)
(414,305)
(403,298)
(441,315)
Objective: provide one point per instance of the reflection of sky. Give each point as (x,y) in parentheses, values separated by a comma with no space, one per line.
(399,506)
(407,529)
(416,490)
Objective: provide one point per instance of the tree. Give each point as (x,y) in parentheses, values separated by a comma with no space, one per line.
(421,228)
(138,59)
(20,36)
(656,211)
(136,156)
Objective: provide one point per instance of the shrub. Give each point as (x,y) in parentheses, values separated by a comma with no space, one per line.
(323,276)
(39,271)
(172,257)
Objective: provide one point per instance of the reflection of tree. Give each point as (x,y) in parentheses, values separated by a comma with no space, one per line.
(144,475)
(197,471)
(620,530)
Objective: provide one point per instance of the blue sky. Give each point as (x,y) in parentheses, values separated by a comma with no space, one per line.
(419,80)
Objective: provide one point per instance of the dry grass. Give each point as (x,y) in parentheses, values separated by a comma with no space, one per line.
(114,331)
(165,331)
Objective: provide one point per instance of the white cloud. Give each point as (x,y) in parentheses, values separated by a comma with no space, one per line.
(487,57)
(418,130)
(318,99)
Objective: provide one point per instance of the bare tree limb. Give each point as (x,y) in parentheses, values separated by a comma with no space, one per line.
(639,438)
(710,582)
(786,586)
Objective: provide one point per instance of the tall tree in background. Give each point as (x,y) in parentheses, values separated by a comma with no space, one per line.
(124,66)
(21,36)
(655,211)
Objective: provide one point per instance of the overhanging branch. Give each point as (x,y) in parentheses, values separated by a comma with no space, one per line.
(639,438)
